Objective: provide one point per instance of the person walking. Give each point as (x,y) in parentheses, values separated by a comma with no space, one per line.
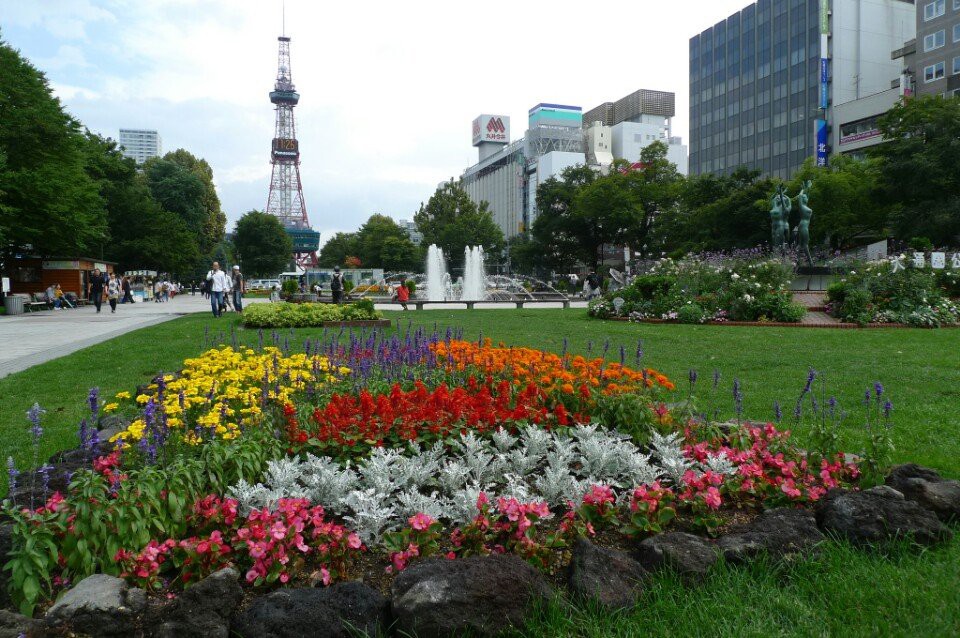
(125,286)
(96,289)
(113,292)
(218,284)
(403,294)
(239,287)
(336,285)
(157,291)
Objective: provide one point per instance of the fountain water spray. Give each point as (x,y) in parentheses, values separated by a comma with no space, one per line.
(438,280)
(474,278)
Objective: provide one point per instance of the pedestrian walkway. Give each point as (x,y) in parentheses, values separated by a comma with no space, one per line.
(33,338)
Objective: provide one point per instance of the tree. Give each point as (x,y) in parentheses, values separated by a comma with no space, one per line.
(717,213)
(49,203)
(920,167)
(556,231)
(452,221)
(382,243)
(262,243)
(142,235)
(845,198)
(337,249)
(214,219)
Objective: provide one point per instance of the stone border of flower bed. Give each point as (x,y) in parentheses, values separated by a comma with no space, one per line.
(778,324)
(437,597)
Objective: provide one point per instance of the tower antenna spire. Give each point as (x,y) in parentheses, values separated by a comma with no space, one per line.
(285,199)
(283,17)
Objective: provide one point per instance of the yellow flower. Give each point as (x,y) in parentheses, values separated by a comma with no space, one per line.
(110,407)
(123,395)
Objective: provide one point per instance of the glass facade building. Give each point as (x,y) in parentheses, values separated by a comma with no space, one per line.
(755,89)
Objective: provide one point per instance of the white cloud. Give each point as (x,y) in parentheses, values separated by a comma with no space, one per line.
(388,89)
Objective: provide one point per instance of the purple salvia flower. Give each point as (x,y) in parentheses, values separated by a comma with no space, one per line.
(737,398)
(693,377)
(45,479)
(84,432)
(93,399)
(866,398)
(623,355)
(887,408)
(639,351)
(182,400)
(878,390)
(811,375)
(777,411)
(34,414)
(94,441)
(716,378)
(12,473)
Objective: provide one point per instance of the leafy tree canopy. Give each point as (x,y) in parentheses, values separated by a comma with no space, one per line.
(452,221)
(263,245)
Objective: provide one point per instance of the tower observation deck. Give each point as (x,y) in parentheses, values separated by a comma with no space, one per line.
(285,200)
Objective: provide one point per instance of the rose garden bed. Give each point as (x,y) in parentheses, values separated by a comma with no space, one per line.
(411,463)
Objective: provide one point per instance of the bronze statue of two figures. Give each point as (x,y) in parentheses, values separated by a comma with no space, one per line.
(780,221)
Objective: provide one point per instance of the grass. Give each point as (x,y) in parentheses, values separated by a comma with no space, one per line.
(844,592)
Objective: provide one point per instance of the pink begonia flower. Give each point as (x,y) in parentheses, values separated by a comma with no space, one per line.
(353,541)
(420,521)
(325,576)
(251,576)
(712,497)
(482,500)
(278,531)
(284,577)
(790,489)
(451,555)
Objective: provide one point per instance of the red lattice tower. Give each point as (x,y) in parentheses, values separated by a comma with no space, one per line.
(285,200)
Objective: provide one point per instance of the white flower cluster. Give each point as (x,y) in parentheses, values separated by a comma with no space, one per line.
(384,489)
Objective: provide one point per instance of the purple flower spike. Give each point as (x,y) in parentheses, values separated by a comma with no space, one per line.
(93,399)
(12,473)
(34,414)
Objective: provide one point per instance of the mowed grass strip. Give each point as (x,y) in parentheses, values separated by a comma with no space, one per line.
(846,592)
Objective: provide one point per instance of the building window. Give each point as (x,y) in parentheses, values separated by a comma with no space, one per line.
(956,65)
(934,9)
(933,72)
(934,40)
(956,4)
(956,32)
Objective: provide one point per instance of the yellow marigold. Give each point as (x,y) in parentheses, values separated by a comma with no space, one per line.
(110,407)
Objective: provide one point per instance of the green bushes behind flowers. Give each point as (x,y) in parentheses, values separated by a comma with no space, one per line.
(288,315)
(695,291)
(874,292)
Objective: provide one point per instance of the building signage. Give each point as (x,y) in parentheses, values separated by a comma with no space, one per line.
(61,265)
(820,135)
(824,54)
(491,128)
(938,260)
(859,136)
(285,147)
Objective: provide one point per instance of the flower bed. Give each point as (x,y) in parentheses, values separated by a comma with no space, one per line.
(694,290)
(365,453)
(877,293)
(302,315)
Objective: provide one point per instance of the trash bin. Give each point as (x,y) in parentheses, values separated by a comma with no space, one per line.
(13,304)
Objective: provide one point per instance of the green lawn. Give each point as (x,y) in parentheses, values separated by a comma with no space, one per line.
(845,592)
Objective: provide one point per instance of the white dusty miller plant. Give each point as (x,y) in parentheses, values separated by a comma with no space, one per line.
(381,491)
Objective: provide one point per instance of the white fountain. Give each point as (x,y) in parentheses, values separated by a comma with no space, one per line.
(474,287)
(438,279)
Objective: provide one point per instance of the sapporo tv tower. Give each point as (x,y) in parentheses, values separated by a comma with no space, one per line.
(285,200)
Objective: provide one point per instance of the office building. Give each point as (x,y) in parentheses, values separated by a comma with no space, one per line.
(139,144)
(765,82)
(410,227)
(937,66)
(559,136)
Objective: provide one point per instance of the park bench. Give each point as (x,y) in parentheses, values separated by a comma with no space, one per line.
(37,302)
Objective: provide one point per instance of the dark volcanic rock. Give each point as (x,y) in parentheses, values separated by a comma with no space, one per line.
(203,610)
(691,556)
(781,533)
(343,610)
(482,595)
(30,490)
(6,544)
(13,625)
(928,488)
(879,514)
(98,605)
(610,577)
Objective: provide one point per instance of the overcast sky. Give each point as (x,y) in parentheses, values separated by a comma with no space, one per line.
(388,89)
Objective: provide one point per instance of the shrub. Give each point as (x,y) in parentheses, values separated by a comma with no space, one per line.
(290,286)
(691,313)
(287,315)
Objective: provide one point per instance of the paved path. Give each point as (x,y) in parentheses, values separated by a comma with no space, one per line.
(36,337)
